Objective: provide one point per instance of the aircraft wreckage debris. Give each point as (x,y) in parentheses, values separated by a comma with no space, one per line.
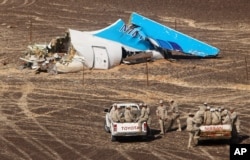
(139,41)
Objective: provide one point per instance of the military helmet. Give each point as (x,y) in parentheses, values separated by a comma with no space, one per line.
(232,108)
(201,107)
(128,107)
(161,101)
(190,114)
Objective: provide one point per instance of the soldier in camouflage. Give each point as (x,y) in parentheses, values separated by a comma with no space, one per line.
(161,113)
(174,109)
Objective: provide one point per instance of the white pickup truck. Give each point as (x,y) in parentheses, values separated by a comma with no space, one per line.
(211,132)
(120,129)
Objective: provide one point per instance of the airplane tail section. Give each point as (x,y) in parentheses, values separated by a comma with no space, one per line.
(168,38)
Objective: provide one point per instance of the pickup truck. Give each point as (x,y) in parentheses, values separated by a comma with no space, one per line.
(123,129)
(212,132)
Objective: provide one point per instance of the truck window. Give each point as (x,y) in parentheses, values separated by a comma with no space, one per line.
(122,107)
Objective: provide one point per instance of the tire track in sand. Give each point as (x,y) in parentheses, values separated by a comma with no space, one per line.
(40,146)
(25,3)
(14,155)
(207,154)
(23,105)
(20,133)
(4,2)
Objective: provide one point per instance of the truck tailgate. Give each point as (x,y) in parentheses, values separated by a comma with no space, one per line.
(214,128)
(129,129)
(215,131)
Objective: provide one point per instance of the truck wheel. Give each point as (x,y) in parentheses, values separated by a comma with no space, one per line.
(234,140)
(144,138)
(113,138)
(106,128)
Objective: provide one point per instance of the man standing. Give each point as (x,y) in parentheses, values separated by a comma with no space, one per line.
(235,120)
(112,113)
(161,113)
(208,116)
(174,109)
(225,117)
(149,118)
(191,129)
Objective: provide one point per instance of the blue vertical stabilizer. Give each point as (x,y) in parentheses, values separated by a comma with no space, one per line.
(128,36)
(168,38)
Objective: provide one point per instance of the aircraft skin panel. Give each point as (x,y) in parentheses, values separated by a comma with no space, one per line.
(83,42)
(177,40)
(130,37)
(101,58)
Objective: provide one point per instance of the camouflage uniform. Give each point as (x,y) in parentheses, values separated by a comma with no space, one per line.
(149,119)
(143,117)
(199,115)
(226,118)
(208,116)
(117,115)
(191,129)
(235,120)
(218,113)
(148,112)
(174,109)
(161,113)
(199,118)
(215,117)
(112,113)
(223,113)
(128,115)
(205,105)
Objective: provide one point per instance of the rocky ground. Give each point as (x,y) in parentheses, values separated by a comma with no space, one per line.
(61,116)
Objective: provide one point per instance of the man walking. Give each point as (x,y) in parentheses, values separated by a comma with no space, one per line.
(174,109)
(235,120)
(191,129)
